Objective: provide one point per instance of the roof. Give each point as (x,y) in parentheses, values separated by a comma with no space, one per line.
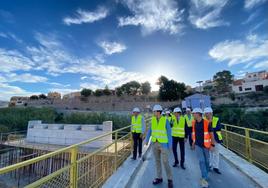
(238,82)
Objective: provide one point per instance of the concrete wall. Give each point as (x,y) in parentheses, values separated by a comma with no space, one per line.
(68,134)
(249,85)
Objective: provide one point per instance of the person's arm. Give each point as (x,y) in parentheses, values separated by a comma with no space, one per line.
(210,130)
(149,133)
(143,126)
(218,126)
(169,134)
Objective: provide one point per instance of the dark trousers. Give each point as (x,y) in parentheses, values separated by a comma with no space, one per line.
(189,134)
(175,141)
(137,143)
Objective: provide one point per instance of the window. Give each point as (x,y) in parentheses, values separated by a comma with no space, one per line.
(247,89)
(240,88)
(259,87)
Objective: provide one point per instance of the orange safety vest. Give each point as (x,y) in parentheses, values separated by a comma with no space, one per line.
(207,138)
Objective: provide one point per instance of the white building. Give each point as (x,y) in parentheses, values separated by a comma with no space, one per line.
(252,82)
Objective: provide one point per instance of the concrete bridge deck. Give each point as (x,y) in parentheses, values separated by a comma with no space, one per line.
(231,177)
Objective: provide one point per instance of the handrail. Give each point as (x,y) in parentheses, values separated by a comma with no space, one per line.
(244,128)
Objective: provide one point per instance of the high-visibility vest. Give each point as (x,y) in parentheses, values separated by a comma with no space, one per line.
(214,124)
(169,118)
(178,128)
(159,131)
(207,138)
(136,123)
(189,121)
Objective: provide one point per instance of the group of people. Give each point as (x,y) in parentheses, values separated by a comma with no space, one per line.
(167,129)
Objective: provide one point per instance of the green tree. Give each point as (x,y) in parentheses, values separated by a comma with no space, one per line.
(145,88)
(42,96)
(131,88)
(107,91)
(119,91)
(34,97)
(86,92)
(223,79)
(98,92)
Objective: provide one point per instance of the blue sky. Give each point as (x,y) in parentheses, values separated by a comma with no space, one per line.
(68,45)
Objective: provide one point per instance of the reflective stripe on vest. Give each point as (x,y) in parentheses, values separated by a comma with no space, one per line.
(189,121)
(136,123)
(207,139)
(178,127)
(159,131)
(214,124)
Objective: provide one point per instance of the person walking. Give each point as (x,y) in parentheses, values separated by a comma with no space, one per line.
(189,118)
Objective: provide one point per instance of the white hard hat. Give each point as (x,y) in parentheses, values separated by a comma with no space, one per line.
(167,112)
(188,109)
(197,110)
(163,113)
(178,109)
(136,110)
(208,110)
(157,107)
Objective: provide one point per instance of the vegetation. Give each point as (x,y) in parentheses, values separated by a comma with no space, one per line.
(86,92)
(145,88)
(223,79)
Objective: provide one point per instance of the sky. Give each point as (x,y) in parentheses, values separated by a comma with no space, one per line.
(67,45)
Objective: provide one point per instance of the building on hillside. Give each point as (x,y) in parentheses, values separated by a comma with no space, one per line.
(72,95)
(198,101)
(54,95)
(18,100)
(252,82)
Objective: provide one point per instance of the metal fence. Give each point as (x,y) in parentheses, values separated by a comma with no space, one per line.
(251,144)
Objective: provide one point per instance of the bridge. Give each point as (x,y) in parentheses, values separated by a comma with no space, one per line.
(244,163)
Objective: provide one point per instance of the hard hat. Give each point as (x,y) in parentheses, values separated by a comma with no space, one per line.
(163,113)
(167,112)
(136,110)
(188,109)
(157,107)
(197,110)
(208,110)
(178,109)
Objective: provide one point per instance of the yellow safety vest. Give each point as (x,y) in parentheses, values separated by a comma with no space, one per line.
(169,118)
(136,123)
(214,124)
(178,127)
(189,121)
(159,131)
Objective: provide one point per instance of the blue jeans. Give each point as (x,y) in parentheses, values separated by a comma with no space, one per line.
(203,157)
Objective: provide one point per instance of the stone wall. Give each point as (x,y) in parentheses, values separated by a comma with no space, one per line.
(68,134)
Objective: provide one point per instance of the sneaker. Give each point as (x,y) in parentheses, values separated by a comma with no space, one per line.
(133,158)
(175,164)
(183,167)
(204,183)
(216,170)
(157,181)
(170,184)
(140,155)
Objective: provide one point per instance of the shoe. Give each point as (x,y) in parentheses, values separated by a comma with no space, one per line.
(157,181)
(216,170)
(182,166)
(140,155)
(170,184)
(133,158)
(204,183)
(175,164)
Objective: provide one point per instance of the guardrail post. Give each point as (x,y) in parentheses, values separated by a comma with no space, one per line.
(115,151)
(226,137)
(248,145)
(73,170)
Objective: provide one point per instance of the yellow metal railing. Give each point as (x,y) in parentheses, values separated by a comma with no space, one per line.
(247,143)
(74,166)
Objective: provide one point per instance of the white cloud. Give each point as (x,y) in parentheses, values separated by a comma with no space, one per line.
(7,91)
(252,49)
(251,17)
(112,47)
(27,78)
(83,16)
(205,14)
(83,77)
(153,15)
(249,4)
(263,65)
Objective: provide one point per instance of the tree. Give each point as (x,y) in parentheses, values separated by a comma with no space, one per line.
(145,88)
(118,91)
(170,89)
(34,97)
(107,91)
(130,88)
(98,92)
(86,92)
(42,96)
(223,79)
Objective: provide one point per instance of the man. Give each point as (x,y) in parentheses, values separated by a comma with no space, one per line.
(168,115)
(214,155)
(189,118)
(178,135)
(160,132)
(203,141)
(137,129)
